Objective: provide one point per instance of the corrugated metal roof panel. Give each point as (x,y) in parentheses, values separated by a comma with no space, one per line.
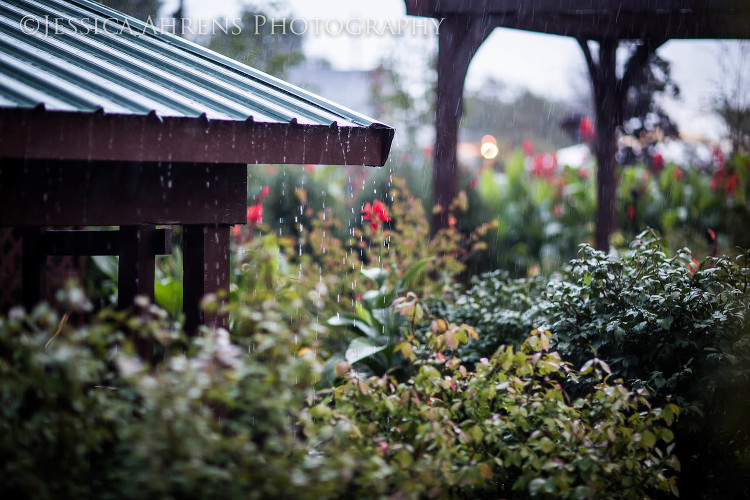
(133,69)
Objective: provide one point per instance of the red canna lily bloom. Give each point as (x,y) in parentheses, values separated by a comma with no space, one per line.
(586,129)
(255,214)
(375,213)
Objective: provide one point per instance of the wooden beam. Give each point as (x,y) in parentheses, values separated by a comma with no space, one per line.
(98,242)
(33,193)
(61,135)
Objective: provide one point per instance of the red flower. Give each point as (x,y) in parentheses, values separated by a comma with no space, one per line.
(376,214)
(631,213)
(712,234)
(254,217)
(528,148)
(586,129)
(657,162)
(544,165)
(473,183)
(677,174)
(255,214)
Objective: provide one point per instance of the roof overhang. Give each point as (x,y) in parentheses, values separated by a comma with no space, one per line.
(134,93)
(599,19)
(55,135)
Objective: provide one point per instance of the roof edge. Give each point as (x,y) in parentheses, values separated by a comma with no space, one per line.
(65,135)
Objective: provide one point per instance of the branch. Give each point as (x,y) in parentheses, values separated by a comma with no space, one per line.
(636,64)
(589,59)
(592,66)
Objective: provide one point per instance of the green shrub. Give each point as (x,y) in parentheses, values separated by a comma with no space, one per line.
(677,327)
(671,324)
(238,417)
(506,429)
(501,309)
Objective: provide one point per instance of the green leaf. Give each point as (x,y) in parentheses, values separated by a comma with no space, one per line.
(362,348)
(107,264)
(666,323)
(168,294)
(414,270)
(355,323)
(329,375)
(385,317)
(377,274)
(648,439)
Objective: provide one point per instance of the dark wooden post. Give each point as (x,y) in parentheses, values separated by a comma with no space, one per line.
(606,89)
(459,39)
(135,275)
(32,266)
(205,250)
(136,267)
(610,94)
(607,120)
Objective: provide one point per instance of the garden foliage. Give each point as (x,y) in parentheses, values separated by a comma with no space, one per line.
(668,323)
(238,414)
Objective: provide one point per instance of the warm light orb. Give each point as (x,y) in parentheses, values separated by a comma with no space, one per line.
(489,147)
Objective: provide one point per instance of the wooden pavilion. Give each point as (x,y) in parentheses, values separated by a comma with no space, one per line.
(650,23)
(106,121)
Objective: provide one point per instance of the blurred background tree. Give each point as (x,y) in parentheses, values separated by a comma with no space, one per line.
(140,9)
(265,45)
(732,99)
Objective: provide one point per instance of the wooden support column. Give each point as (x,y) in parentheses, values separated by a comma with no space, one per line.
(32,266)
(459,39)
(608,109)
(607,120)
(135,275)
(136,268)
(205,250)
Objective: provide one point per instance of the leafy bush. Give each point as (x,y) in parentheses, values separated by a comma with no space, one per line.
(501,309)
(506,429)
(671,324)
(677,327)
(239,418)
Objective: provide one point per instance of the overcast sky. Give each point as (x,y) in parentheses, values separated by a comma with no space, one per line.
(546,64)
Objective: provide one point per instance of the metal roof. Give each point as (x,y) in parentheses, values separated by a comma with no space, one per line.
(597,19)
(75,58)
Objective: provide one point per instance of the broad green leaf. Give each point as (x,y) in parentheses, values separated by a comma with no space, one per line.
(377,274)
(107,264)
(356,323)
(168,294)
(362,348)
(648,439)
(415,270)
